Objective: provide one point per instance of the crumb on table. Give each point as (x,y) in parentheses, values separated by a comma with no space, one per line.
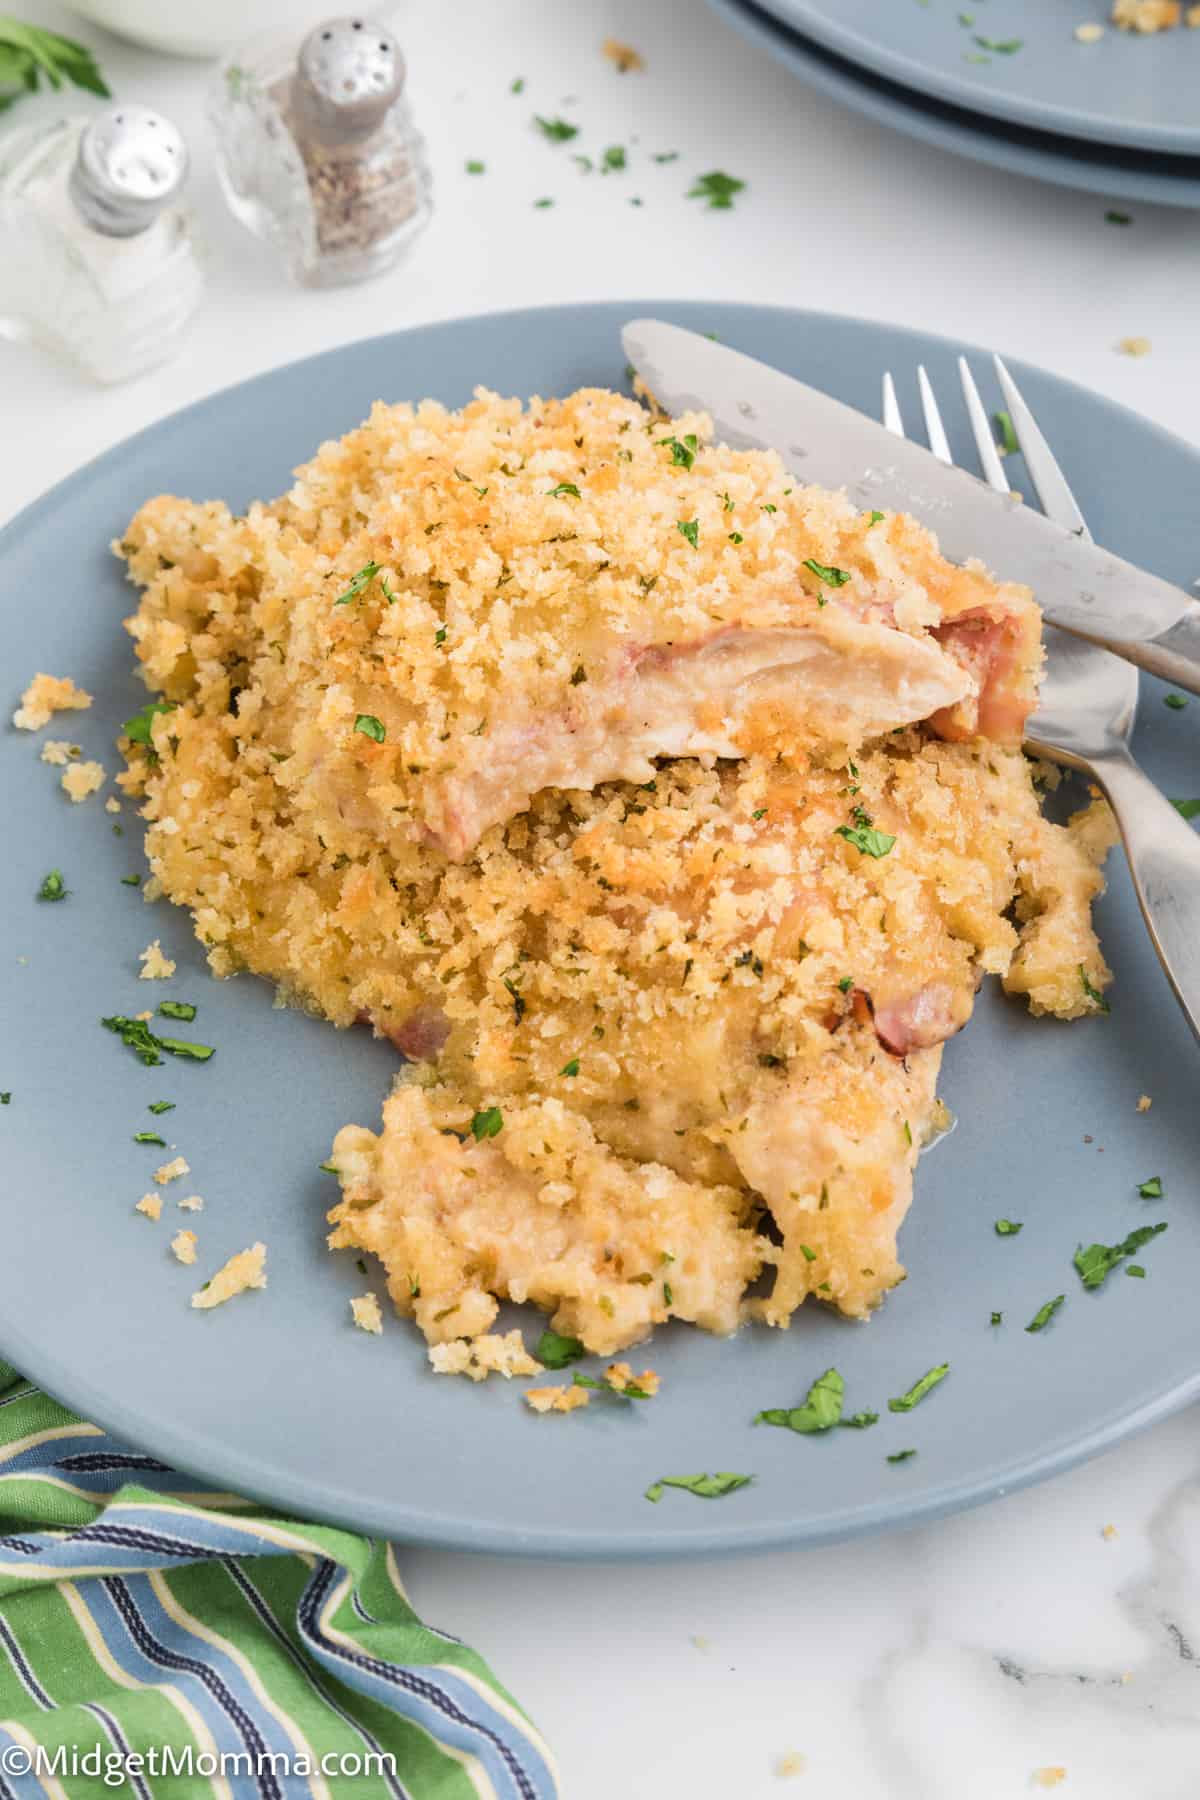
(81,779)
(46,695)
(1144,1103)
(247,1269)
(791,1763)
(1134,346)
(1109,1533)
(1050,1776)
(623,56)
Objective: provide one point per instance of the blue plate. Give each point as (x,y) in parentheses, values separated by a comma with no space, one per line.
(1116,173)
(276,1395)
(1139,93)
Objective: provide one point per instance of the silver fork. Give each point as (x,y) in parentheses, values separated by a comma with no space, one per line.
(1088,701)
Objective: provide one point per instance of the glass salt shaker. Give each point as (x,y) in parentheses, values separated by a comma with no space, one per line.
(99,265)
(317,151)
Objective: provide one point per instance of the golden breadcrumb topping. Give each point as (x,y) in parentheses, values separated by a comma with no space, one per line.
(81,779)
(183,1244)
(245,1270)
(486,1354)
(155,966)
(60,752)
(46,695)
(556,1399)
(150,1205)
(171,1171)
(366,1313)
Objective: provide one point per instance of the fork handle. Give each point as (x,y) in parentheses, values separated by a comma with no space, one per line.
(1174,654)
(1164,860)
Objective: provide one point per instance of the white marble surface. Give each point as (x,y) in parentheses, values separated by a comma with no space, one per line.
(945,1664)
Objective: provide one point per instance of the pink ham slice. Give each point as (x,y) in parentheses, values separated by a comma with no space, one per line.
(1001,650)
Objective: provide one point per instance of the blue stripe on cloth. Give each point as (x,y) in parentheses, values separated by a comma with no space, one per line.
(468,1723)
(255,1600)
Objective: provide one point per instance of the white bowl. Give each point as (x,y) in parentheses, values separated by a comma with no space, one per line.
(203,27)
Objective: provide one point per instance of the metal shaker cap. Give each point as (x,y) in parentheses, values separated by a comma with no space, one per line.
(348,74)
(130,163)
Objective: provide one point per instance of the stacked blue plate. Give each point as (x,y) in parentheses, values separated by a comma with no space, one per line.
(1021,91)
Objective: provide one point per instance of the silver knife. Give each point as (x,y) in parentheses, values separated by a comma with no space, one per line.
(1079,586)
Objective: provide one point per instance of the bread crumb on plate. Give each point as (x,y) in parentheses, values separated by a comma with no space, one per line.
(81,779)
(1089,33)
(150,1205)
(367,1315)
(1144,1103)
(46,695)
(155,966)
(191,1203)
(487,1354)
(791,1763)
(245,1270)
(171,1171)
(60,752)
(556,1399)
(1049,1777)
(183,1244)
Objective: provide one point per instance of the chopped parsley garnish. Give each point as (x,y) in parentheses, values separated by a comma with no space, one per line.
(556,1351)
(177,1009)
(873,518)
(863,835)
(371,727)
(821,1409)
(328,1168)
(138,729)
(1135,1269)
(53,886)
(1151,1189)
(1094,995)
(137,1036)
(131,881)
(716,189)
(559,131)
(735,537)
(919,1389)
(474,167)
(860,1421)
(760,812)
(439,636)
(690,529)
(613,158)
(899,1456)
(845,984)
(665,156)
(571,1068)
(1000,46)
(6,1097)
(683,450)
(1187,809)
(1094,1263)
(1176,702)
(1117,218)
(1008,1227)
(487,1124)
(564,490)
(517,86)
(1044,1314)
(1006,434)
(705,1487)
(998,1318)
(631,1390)
(543,202)
(161,1106)
(149,1137)
(834,578)
(363,579)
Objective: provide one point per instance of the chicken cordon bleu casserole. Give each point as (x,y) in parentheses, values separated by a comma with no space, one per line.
(664,814)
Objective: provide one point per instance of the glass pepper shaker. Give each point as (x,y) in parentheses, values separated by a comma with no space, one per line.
(99,264)
(317,151)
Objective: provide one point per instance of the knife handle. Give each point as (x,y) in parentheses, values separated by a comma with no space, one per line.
(1174,654)
(1164,860)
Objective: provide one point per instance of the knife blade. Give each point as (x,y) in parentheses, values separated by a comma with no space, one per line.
(1079,585)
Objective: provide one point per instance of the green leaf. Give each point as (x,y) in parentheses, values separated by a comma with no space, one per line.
(149,1137)
(1096,1262)
(53,886)
(139,729)
(328,1168)
(177,1009)
(613,158)
(1006,433)
(1094,995)
(899,1456)
(28,51)
(570,1069)
(735,537)
(1176,702)
(556,1351)
(559,131)
(371,727)
(131,881)
(161,1106)
(865,837)
(487,1124)
(859,1421)
(1044,1314)
(1008,1227)
(705,1487)
(997,1318)
(683,450)
(363,579)
(1152,1189)
(716,189)
(1000,46)
(1135,1269)
(517,85)
(1187,809)
(821,1410)
(1117,218)
(631,1391)
(834,578)
(137,1036)
(566,490)
(875,517)
(474,167)
(690,529)
(919,1389)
